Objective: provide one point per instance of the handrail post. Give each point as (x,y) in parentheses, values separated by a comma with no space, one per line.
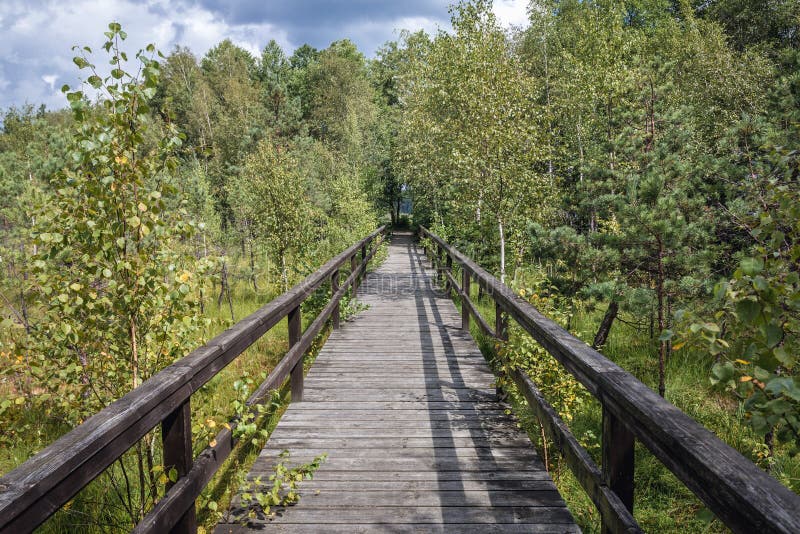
(500,322)
(334,289)
(617,460)
(176,438)
(295,332)
(465,280)
(438,264)
(364,260)
(353,267)
(449,269)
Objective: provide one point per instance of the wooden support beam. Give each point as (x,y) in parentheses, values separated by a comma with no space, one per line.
(466,278)
(295,331)
(449,267)
(334,289)
(363,260)
(353,267)
(176,436)
(617,460)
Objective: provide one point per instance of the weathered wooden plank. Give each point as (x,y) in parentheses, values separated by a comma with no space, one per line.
(405,426)
(499,486)
(427,515)
(407,528)
(410,422)
(291,443)
(320,498)
(438,476)
(473,458)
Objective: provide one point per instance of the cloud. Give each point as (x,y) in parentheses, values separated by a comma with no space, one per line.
(511,12)
(50,80)
(36,36)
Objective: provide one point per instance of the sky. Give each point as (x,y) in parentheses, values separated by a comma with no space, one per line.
(36,36)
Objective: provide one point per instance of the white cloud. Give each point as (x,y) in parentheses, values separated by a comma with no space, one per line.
(37,39)
(50,80)
(511,12)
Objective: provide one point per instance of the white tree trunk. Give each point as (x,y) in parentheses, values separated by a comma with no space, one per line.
(502,251)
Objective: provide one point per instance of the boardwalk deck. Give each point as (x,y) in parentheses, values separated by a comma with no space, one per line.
(402,401)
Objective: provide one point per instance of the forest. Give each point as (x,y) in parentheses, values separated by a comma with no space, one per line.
(630,167)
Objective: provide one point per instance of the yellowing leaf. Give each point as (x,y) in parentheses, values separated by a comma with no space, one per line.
(678,346)
(742,362)
(745,378)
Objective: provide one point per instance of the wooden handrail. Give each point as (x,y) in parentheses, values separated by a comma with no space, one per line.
(742,495)
(39,487)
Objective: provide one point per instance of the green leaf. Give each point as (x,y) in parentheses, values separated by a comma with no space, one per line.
(747,310)
(773,333)
(722,373)
(782,355)
(751,266)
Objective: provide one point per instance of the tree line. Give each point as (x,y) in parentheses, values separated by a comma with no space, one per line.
(640,156)
(630,161)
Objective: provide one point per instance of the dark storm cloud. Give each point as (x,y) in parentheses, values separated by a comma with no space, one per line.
(316,22)
(309,12)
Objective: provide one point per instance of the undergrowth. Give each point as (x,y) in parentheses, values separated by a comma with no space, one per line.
(95,508)
(661,502)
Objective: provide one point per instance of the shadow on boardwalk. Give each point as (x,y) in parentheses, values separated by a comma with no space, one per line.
(403,403)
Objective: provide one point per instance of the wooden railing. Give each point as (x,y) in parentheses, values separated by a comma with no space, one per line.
(35,490)
(744,497)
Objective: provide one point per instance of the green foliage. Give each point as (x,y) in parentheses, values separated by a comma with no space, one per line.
(469,133)
(259,498)
(522,353)
(118,297)
(272,205)
(115,295)
(754,333)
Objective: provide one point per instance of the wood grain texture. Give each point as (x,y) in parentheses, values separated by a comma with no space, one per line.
(403,403)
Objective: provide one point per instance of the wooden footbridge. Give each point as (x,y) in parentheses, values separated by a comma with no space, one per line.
(402,401)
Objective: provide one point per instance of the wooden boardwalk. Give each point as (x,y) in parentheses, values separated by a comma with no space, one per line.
(403,403)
